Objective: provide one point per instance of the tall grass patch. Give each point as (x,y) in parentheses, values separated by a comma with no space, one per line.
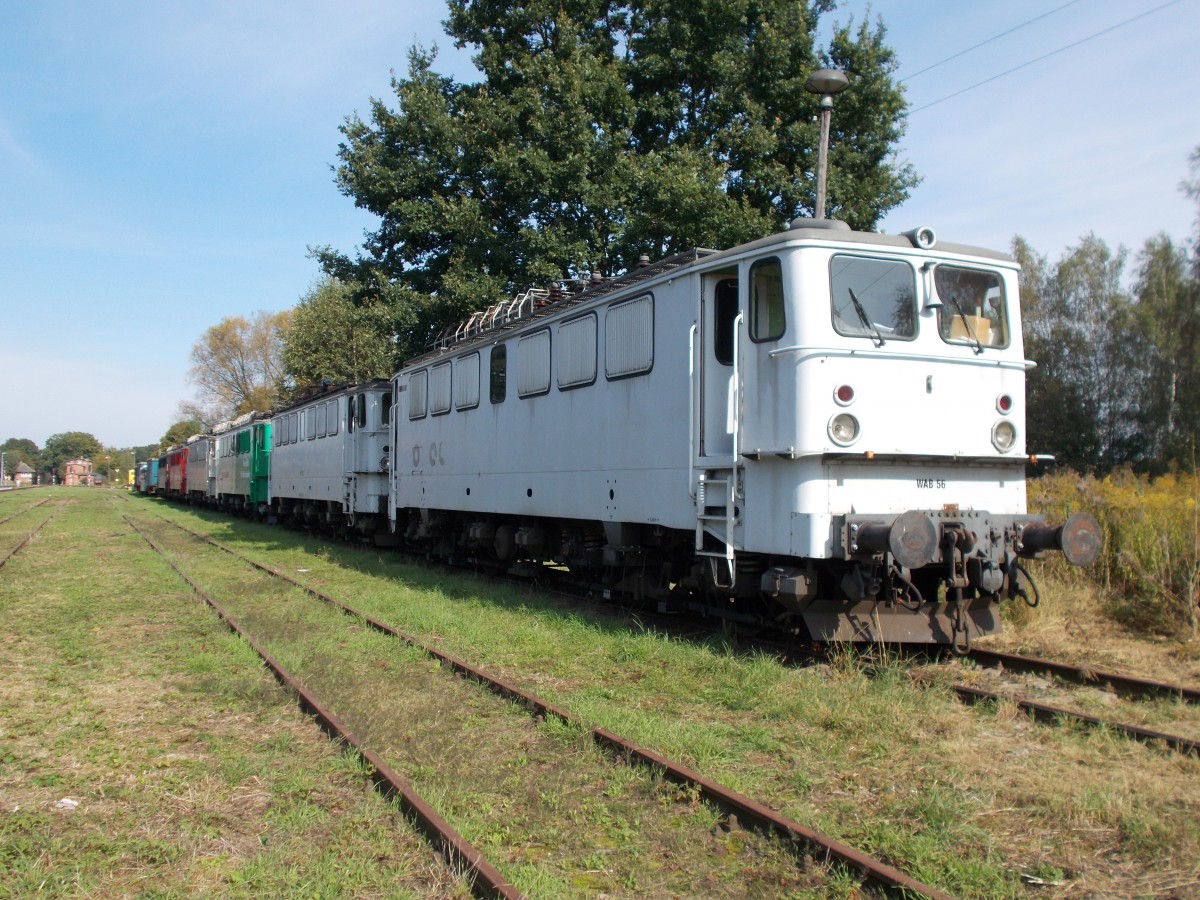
(1149,568)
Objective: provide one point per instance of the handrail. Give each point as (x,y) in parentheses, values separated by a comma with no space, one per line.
(824,350)
(692,411)
(737,392)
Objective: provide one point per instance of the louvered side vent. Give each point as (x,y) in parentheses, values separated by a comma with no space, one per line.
(533,364)
(577,352)
(439,389)
(466,381)
(629,337)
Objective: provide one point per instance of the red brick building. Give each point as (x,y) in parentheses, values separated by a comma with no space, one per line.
(77,471)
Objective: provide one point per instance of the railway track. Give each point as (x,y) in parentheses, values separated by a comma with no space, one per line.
(1120,685)
(1123,685)
(486,879)
(748,811)
(25,540)
(1045,713)
(21,512)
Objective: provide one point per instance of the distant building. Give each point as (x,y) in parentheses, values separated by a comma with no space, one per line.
(23,474)
(77,471)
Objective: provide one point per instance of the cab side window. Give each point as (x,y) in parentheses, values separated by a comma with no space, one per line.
(766,301)
(724,315)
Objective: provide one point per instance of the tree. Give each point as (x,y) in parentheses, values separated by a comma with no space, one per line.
(144,452)
(17,451)
(62,447)
(333,338)
(236,363)
(114,462)
(180,432)
(601,130)
(1168,322)
(1084,394)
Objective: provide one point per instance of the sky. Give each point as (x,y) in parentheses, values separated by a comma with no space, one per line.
(164,165)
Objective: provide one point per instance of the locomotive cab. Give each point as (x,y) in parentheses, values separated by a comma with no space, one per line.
(874,405)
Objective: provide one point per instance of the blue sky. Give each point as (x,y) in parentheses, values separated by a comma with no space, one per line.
(166,164)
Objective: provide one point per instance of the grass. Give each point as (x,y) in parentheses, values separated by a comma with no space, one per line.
(968,800)
(1149,567)
(487,766)
(186,769)
(848,738)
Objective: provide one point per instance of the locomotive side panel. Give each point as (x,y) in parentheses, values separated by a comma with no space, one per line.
(581,416)
(307,459)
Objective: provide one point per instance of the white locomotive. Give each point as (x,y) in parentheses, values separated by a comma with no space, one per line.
(329,458)
(822,426)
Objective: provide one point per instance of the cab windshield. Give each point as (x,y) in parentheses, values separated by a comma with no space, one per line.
(874,298)
(972,310)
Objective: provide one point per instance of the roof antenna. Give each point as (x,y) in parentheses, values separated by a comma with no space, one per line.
(825,82)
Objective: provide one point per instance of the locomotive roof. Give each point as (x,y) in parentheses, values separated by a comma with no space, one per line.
(539,303)
(240,421)
(832,230)
(335,390)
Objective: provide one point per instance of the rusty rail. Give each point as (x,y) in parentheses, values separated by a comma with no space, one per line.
(1045,713)
(25,540)
(486,879)
(1125,685)
(747,810)
(22,512)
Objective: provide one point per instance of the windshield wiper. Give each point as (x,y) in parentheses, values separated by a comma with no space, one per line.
(967,325)
(864,318)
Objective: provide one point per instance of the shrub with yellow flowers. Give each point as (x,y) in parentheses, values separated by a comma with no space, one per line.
(1149,568)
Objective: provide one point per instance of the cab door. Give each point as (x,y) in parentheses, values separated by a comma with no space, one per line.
(718,373)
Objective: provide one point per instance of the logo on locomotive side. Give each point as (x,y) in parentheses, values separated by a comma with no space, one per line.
(435,455)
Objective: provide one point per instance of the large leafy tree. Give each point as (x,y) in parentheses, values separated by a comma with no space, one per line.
(236,364)
(68,445)
(333,338)
(1168,324)
(600,130)
(179,432)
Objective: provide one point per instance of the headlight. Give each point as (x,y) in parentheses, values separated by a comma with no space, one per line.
(843,429)
(384,462)
(1004,436)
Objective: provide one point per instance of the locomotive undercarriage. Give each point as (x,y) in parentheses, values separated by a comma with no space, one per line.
(923,577)
(327,516)
(928,576)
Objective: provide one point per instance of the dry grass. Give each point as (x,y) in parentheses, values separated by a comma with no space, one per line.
(1149,569)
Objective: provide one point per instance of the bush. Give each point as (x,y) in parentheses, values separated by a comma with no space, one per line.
(1150,564)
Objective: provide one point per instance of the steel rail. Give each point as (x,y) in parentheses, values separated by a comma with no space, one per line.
(29,537)
(1043,712)
(486,879)
(21,512)
(1125,685)
(747,810)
